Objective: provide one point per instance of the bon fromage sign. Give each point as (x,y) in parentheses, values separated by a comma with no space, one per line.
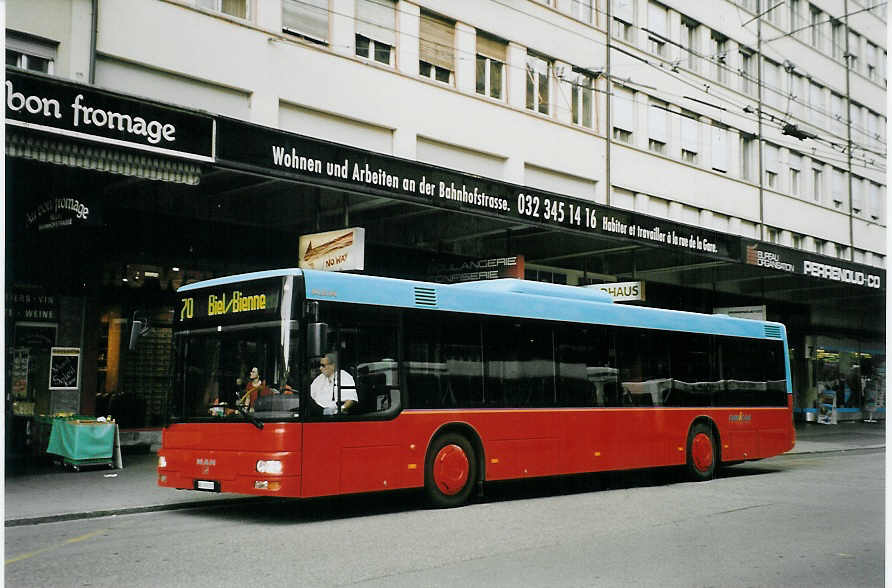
(63,108)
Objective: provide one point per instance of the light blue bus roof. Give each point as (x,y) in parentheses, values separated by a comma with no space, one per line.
(508,297)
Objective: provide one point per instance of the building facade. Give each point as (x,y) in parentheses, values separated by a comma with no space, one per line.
(728,156)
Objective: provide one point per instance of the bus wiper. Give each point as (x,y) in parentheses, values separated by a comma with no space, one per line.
(254,420)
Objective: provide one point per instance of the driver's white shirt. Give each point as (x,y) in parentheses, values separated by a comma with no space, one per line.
(323,390)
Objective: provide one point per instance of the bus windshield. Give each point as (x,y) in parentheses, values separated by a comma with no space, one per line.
(231,374)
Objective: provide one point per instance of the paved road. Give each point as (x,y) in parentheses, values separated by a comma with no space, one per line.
(795,520)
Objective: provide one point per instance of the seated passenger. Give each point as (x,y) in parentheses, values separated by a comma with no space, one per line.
(255,387)
(324,389)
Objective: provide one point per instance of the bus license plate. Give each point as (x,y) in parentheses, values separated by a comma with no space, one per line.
(207,485)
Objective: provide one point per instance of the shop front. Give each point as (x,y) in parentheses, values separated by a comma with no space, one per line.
(114,202)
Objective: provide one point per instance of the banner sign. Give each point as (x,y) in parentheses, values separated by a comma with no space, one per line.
(334,251)
(622,291)
(480,269)
(74,110)
(796,262)
(273,152)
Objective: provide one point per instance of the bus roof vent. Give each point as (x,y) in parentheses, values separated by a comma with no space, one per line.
(773,331)
(425,296)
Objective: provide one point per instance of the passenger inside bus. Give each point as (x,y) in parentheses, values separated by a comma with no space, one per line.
(255,387)
(326,390)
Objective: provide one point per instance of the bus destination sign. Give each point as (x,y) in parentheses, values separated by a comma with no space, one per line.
(244,302)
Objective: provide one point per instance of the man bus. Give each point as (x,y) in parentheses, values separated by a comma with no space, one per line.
(445,387)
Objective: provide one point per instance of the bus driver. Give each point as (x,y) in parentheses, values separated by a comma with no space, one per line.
(325,391)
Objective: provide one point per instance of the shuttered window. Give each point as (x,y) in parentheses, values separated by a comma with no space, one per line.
(623,10)
(719,149)
(689,134)
(437,42)
(308,18)
(376,19)
(623,109)
(657,123)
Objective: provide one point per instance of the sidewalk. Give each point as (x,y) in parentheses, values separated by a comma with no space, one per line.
(47,493)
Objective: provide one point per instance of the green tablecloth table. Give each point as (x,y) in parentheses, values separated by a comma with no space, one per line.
(81,442)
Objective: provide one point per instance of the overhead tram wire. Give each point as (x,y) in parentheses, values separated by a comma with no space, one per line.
(570,82)
(595,69)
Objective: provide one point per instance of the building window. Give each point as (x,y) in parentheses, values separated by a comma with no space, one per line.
(583,99)
(657,127)
(689,42)
(820,244)
(817,106)
(436,48)
(837,39)
(538,83)
(857,195)
(747,157)
(817,184)
(795,18)
(657,18)
(719,148)
(307,19)
(28,52)
(747,74)
(719,55)
(621,135)
(236,8)
(772,91)
(771,234)
(770,165)
(581,10)
(690,137)
(491,59)
(623,103)
(842,251)
(817,39)
(623,19)
(375,30)
(838,188)
(795,168)
(797,241)
(872,61)
(854,51)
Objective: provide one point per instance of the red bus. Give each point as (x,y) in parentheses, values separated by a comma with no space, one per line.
(301,383)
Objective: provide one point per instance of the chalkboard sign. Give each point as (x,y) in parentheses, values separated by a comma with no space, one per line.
(63,368)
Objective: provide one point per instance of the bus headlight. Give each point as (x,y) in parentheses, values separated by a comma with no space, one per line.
(162,461)
(269,466)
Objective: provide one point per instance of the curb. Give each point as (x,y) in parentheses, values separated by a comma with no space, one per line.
(95,514)
(835,450)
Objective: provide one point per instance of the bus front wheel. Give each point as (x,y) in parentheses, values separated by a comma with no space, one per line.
(450,470)
(702,454)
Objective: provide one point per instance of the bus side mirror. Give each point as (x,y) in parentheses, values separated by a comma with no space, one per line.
(317,339)
(139,326)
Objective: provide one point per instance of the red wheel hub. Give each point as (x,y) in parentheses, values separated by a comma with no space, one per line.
(701,452)
(451,469)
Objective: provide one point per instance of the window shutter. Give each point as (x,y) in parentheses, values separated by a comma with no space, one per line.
(838,186)
(306,17)
(656,19)
(437,42)
(623,109)
(656,124)
(690,140)
(719,148)
(795,161)
(770,83)
(770,158)
(492,48)
(857,194)
(623,10)
(376,19)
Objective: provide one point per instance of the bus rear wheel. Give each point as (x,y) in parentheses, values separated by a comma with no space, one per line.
(450,471)
(702,455)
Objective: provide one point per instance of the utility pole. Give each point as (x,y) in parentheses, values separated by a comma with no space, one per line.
(608,132)
(847,58)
